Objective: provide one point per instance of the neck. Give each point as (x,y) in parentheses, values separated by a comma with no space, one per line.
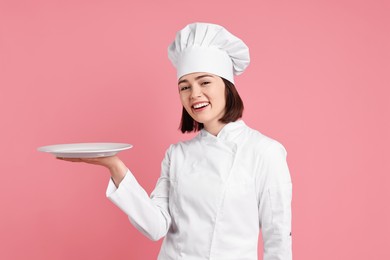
(215,128)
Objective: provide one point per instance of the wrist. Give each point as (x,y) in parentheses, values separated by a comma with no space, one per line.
(114,163)
(118,170)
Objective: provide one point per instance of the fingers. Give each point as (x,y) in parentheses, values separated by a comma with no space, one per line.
(95,160)
(70,159)
(107,162)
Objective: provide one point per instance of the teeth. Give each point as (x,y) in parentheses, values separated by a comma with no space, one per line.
(200,105)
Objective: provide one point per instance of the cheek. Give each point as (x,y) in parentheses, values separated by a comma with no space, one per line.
(220,98)
(184,100)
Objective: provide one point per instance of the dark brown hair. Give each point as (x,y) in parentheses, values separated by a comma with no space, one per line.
(233,110)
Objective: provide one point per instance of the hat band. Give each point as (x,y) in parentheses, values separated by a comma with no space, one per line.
(210,59)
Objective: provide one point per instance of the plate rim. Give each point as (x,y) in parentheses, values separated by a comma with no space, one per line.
(47,148)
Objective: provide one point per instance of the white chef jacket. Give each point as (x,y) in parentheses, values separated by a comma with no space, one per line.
(213,196)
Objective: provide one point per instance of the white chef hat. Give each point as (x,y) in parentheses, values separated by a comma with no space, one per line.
(205,47)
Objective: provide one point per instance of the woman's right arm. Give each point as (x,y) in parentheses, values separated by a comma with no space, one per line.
(150,215)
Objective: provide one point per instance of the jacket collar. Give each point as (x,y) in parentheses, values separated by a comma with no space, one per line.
(228,133)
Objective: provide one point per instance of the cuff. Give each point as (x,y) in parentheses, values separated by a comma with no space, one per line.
(111,188)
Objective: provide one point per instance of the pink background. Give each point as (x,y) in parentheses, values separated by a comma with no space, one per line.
(97,71)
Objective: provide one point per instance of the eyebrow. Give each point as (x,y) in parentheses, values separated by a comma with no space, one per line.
(198,77)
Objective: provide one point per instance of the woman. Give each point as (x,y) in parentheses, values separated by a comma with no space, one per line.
(219,189)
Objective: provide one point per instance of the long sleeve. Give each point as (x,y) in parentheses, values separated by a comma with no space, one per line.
(150,215)
(275,204)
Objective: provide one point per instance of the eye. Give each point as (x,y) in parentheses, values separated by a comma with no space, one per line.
(205,83)
(184,88)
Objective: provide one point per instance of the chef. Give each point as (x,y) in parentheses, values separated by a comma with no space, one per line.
(217,191)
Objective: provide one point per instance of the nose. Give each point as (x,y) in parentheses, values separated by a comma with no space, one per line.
(196,92)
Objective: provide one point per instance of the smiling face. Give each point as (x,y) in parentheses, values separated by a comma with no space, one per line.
(203,97)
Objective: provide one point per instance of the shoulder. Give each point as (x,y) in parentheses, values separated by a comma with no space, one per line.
(263,144)
(270,158)
(182,146)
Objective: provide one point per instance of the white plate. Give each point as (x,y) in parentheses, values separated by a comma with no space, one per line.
(84,150)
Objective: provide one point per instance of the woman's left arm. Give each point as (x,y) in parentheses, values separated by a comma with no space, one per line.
(275,204)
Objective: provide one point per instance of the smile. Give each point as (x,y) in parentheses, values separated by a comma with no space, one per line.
(200,105)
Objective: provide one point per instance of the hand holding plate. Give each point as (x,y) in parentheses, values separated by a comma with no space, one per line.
(117,168)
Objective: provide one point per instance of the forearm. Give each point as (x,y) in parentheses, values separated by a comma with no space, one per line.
(149,215)
(118,171)
(277,247)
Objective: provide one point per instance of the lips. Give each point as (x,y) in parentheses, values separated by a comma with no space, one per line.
(200,105)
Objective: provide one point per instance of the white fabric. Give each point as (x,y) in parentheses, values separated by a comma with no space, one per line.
(213,196)
(205,47)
